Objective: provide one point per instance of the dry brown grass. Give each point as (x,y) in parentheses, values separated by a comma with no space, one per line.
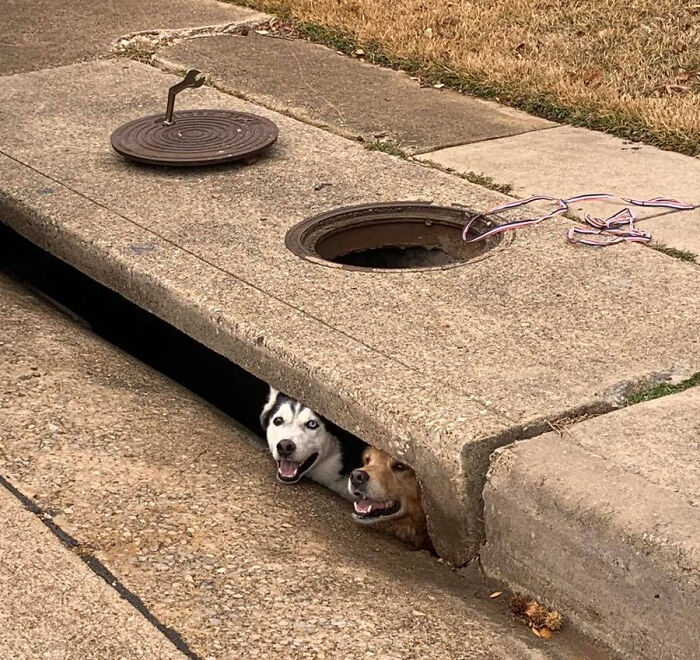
(631,67)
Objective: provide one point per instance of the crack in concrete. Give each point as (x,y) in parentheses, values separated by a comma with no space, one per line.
(146,43)
(98,568)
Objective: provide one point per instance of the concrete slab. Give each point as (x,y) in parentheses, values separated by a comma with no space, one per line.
(348,96)
(567,161)
(603,520)
(182,505)
(437,367)
(54,606)
(41,33)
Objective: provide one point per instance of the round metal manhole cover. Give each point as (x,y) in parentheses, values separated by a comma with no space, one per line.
(194,137)
(392,236)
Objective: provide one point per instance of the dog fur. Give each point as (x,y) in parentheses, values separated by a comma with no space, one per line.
(386,493)
(332,454)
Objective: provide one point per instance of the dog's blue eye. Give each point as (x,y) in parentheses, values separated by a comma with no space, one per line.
(277,421)
(312,424)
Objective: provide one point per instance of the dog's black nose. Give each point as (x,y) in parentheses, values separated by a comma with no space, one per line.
(285,447)
(358,477)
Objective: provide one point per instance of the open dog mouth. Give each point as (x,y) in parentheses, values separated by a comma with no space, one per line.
(290,472)
(367,508)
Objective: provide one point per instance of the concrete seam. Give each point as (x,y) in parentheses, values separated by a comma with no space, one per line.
(451,145)
(99,569)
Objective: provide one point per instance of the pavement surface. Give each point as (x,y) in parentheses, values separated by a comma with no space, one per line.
(350,97)
(53,605)
(36,34)
(603,519)
(567,161)
(182,505)
(216,267)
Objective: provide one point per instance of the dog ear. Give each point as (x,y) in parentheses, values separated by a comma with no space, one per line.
(268,407)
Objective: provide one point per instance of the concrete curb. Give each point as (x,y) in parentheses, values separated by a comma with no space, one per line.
(602,522)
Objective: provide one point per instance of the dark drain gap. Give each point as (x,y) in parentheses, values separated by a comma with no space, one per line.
(215,379)
(97,567)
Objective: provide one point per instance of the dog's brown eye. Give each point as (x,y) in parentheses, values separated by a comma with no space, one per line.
(400,467)
(277,421)
(312,424)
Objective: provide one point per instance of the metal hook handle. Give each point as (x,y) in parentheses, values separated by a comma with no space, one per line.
(190,80)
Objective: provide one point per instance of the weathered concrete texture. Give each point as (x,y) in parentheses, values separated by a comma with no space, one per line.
(603,521)
(437,367)
(53,605)
(351,97)
(568,161)
(183,506)
(40,33)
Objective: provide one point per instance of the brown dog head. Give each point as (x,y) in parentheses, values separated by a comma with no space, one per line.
(387,492)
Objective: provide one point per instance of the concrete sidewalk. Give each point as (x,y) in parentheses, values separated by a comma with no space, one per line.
(347,96)
(467,135)
(438,367)
(36,34)
(182,505)
(495,367)
(568,161)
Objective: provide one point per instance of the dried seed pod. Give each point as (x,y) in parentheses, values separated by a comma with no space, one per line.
(518,604)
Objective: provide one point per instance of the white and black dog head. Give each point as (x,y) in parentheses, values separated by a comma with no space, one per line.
(304,443)
(296,436)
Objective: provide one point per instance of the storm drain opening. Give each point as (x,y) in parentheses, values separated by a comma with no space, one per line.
(392,236)
(216,379)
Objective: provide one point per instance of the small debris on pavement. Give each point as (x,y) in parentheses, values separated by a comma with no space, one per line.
(542,620)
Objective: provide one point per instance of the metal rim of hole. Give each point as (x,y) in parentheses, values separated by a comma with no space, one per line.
(326,237)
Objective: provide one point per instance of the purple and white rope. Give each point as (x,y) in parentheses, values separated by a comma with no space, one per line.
(617,228)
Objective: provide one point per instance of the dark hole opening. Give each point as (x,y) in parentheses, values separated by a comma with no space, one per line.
(397,257)
(214,378)
(219,381)
(209,375)
(391,235)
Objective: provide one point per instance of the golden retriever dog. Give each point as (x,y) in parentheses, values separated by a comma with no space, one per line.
(386,493)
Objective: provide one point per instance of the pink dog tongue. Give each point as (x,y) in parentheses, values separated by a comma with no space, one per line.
(365,506)
(288,468)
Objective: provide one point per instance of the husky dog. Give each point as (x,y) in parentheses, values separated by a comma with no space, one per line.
(305,444)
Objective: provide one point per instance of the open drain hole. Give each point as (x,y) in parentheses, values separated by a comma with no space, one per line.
(225,384)
(391,235)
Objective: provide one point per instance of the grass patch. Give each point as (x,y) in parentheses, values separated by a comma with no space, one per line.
(663,390)
(630,70)
(683,255)
(387,146)
(488,182)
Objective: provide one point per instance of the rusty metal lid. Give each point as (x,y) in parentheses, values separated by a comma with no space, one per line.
(193,137)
